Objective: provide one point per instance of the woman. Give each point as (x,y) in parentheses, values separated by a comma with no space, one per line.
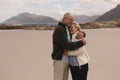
(78,59)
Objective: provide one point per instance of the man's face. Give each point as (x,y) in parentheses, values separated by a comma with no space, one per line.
(68,21)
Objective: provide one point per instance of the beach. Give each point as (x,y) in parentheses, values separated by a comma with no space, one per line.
(26,54)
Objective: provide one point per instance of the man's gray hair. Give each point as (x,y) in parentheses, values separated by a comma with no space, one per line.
(66,15)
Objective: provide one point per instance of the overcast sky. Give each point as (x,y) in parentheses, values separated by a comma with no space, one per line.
(55,8)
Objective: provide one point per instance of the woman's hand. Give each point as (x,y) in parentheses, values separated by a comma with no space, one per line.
(84,41)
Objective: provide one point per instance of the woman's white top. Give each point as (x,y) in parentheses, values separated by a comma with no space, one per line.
(81,53)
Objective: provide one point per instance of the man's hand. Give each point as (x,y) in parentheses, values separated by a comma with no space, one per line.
(79,35)
(84,41)
(65,52)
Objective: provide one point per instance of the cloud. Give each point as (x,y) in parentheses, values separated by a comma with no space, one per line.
(41,2)
(10,8)
(11,2)
(102,2)
(59,6)
(92,7)
(55,8)
(76,7)
(57,11)
(113,1)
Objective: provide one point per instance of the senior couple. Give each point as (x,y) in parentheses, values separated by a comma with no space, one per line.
(69,50)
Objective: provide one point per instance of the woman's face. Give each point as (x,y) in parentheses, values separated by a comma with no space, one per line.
(73,29)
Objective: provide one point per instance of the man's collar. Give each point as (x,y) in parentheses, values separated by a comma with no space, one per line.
(61,24)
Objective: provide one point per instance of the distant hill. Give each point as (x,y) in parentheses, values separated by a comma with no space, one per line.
(111,15)
(85,19)
(27,18)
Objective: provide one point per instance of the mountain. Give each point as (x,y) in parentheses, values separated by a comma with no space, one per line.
(27,18)
(85,19)
(111,15)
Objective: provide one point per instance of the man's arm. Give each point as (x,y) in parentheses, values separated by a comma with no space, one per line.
(77,52)
(60,39)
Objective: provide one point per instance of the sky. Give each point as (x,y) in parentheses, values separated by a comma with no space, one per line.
(55,8)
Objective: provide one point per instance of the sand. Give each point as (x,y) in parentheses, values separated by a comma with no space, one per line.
(26,55)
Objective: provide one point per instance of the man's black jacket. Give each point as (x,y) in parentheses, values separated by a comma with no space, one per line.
(61,43)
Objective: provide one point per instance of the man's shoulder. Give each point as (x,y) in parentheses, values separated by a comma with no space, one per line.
(59,27)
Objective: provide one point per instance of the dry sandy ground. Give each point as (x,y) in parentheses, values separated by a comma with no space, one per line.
(25,55)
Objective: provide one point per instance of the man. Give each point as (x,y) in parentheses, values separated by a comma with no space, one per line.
(62,42)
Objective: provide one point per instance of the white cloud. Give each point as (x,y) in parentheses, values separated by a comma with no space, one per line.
(116,2)
(55,8)
(103,2)
(92,7)
(9,7)
(75,8)
(113,1)
(59,6)
(41,2)
(57,11)
(11,2)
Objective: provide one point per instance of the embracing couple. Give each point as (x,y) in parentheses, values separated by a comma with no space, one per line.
(69,50)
